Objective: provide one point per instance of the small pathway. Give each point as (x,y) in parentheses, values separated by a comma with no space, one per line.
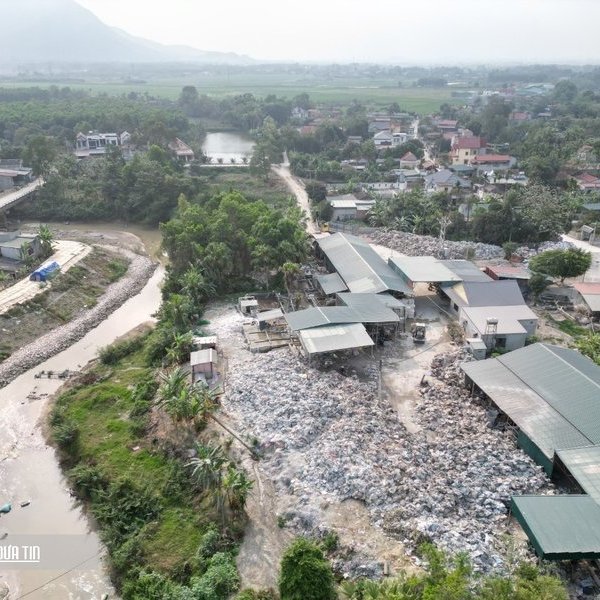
(67,254)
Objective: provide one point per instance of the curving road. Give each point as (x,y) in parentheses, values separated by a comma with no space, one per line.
(296,187)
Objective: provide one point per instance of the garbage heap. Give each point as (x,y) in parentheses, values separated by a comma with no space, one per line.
(326,438)
(425,245)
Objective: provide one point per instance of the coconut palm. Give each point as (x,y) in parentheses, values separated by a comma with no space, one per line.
(46,238)
(207,466)
(237,487)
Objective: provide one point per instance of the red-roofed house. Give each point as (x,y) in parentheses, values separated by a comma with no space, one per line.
(464,149)
(409,161)
(586,182)
(590,295)
(497,162)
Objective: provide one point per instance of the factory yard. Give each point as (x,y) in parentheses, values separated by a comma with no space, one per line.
(402,468)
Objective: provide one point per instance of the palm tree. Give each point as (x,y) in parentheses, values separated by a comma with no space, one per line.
(207,466)
(237,487)
(289,270)
(46,238)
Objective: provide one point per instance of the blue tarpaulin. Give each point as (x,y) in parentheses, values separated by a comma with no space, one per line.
(45,272)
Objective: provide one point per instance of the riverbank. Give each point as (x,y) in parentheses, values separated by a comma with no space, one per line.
(139,272)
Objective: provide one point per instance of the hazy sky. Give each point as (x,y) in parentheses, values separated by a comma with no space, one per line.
(403,31)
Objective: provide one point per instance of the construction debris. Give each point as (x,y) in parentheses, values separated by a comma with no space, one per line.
(326,437)
(425,245)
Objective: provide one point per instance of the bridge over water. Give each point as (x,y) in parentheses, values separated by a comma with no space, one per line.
(12,198)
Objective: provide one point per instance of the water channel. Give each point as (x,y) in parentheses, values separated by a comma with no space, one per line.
(29,469)
(227,146)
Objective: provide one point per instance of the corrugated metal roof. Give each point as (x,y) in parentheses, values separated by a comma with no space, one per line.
(593,301)
(558,378)
(510,271)
(269,315)
(331,284)
(335,315)
(335,338)
(202,357)
(584,465)
(370,309)
(350,299)
(361,268)
(551,393)
(560,527)
(492,293)
(509,317)
(423,268)
(466,270)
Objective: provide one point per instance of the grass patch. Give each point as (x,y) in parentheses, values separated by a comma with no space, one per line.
(151,516)
(570,328)
(274,192)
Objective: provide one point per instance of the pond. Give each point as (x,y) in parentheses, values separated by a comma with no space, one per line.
(228,146)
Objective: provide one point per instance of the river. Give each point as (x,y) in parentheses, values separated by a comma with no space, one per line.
(228,145)
(29,469)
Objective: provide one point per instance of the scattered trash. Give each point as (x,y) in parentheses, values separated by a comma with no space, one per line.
(5,509)
(25,503)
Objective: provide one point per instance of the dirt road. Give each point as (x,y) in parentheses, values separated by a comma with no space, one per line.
(296,187)
(67,254)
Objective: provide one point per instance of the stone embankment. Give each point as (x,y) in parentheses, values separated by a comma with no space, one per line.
(139,271)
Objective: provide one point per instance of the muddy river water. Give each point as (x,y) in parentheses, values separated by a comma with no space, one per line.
(30,474)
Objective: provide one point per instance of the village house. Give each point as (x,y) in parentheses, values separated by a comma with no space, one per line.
(409,161)
(181,150)
(464,149)
(445,181)
(484,163)
(94,143)
(13,174)
(16,247)
(587,182)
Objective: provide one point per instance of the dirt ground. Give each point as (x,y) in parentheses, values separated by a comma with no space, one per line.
(403,365)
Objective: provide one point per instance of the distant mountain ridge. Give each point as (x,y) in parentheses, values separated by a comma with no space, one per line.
(43,31)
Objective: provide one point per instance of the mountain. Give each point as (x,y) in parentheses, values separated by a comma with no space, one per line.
(62,31)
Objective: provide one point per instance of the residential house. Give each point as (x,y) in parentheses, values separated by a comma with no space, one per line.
(94,143)
(299,113)
(445,181)
(589,294)
(489,162)
(409,161)
(348,207)
(446,125)
(17,246)
(355,139)
(181,150)
(399,138)
(13,174)
(464,149)
(493,311)
(587,182)
(380,124)
(383,139)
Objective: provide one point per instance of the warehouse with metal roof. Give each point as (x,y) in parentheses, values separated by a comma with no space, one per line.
(359,266)
(563,527)
(422,269)
(552,395)
(331,283)
(334,338)
(318,316)
(465,270)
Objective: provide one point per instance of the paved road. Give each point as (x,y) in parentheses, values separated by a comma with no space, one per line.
(67,254)
(7,200)
(593,274)
(296,187)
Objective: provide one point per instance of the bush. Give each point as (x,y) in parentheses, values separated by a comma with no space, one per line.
(87,480)
(117,268)
(306,573)
(220,580)
(111,355)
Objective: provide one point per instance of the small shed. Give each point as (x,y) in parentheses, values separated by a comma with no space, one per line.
(204,342)
(248,305)
(590,295)
(477,348)
(204,364)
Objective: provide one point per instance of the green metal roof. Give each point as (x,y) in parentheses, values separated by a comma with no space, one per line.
(560,527)
(584,466)
(423,269)
(331,284)
(551,393)
(360,312)
(361,268)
